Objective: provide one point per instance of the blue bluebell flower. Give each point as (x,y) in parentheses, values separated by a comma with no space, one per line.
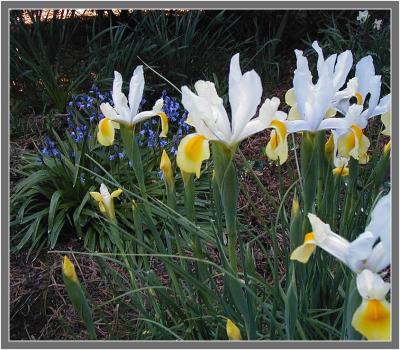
(49,150)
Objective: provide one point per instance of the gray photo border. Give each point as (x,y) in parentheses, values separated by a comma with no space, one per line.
(284,5)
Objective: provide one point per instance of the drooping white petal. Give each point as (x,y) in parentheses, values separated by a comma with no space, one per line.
(136,87)
(333,124)
(157,108)
(352,117)
(268,112)
(371,286)
(297,125)
(108,111)
(329,241)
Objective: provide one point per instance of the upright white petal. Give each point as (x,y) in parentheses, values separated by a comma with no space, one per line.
(201,116)
(359,250)
(380,223)
(136,87)
(302,83)
(375,94)
(383,106)
(365,70)
(217,114)
(342,69)
(244,95)
(379,259)
(105,194)
(119,99)
(322,100)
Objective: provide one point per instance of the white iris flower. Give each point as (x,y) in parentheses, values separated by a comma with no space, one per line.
(125,110)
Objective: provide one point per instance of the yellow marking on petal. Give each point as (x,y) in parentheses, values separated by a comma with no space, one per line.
(346,143)
(310,236)
(193,147)
(96,196)
(164,124)
(372,319)
(341,171)
(329,147)
(290,97)
(357,131)
(68,270)
(277,147)
(359,98)
(280,127)
(192,150)
(116,193)
(354,144)
(106,132)
(232,330)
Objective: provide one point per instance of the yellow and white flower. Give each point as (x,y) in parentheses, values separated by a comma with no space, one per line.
(365,257)
(310,102)
(373,317)
(210,119)
(125,110)
(106,200)
(359,254)
(341,167)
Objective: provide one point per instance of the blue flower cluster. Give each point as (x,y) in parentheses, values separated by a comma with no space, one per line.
(148,136)
(78,131)
(117,154)
(49,150)
(89,103)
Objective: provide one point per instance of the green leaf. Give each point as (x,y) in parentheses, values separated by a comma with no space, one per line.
(80,304)
(55,198)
